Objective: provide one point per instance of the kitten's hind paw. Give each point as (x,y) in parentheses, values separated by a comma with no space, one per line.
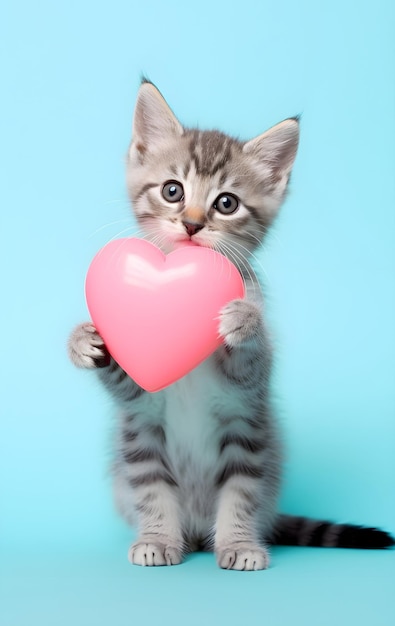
(86,348)
(154,554)
(243,557)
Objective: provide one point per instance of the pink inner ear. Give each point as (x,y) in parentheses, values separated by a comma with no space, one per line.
(158,314)
(277,147)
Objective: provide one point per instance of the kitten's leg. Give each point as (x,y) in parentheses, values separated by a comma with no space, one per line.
(148,483)
(237,544)
(143,482)
(87,350)
(244,500)
(246,357)
(160,540)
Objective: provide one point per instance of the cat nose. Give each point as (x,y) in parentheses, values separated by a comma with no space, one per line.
(192,227)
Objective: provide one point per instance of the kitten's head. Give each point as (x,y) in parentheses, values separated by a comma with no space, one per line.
(205,186)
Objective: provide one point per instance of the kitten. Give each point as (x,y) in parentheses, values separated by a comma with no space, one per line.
(198,465)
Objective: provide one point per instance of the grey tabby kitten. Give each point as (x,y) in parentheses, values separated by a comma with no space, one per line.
(198,465)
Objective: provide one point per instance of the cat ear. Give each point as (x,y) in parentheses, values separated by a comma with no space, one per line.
(153,121)
(276,148)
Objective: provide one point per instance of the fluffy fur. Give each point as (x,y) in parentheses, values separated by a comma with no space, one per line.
(198,465)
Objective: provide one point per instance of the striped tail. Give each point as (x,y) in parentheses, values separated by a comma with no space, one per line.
(302,531)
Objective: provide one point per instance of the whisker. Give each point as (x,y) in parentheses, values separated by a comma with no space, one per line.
(237,257)
(121,232)
(118,201)
(256,259)
(155,235)
(98,230)
(265,232)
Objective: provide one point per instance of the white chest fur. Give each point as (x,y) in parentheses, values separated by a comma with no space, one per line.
(190,426)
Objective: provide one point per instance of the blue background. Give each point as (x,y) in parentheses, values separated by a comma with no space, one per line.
(69,81)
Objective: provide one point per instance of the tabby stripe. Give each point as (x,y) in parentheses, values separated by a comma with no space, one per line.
(129,435)
(245,507)
(223,178)
(240,222)
(149,510)
(194,140)
(130,417)
(238,469)
(142,454)
(233,439)
(255,422)
(317,536)
(209,169)
(254,212)
(248,379)
(121,377)
(156,430)
(187,167)
(151,478)
(144,190)
(113,366)
(215,167)
(135,393)
(196,161)
(251,506)
(145,216)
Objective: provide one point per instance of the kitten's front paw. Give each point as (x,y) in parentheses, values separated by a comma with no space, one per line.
(243,557)
(86,348)
(151,554)
(240,322)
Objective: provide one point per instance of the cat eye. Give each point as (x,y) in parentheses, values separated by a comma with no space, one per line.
(173,191)
(226,204)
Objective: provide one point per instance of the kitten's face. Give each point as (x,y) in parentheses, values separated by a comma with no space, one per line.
(203,186)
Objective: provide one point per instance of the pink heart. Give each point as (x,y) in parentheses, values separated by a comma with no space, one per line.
(158,314)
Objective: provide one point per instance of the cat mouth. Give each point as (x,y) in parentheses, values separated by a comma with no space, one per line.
(186,241)
(190,241)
